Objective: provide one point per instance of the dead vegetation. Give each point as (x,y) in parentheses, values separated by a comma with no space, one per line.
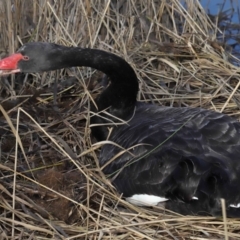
(51,185)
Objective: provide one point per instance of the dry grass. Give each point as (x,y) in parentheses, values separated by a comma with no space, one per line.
(50,182)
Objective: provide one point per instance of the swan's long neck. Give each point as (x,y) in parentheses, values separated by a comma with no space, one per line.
(122,92)
(120,96)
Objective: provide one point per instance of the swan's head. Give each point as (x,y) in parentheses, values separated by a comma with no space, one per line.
(33,57)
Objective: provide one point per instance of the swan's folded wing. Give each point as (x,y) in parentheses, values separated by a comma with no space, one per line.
(177,155)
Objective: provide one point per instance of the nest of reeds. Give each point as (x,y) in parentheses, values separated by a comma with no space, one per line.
(51,184)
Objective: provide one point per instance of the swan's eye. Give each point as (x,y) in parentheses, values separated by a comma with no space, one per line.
(25,58)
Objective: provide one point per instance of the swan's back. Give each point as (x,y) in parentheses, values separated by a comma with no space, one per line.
(197,156)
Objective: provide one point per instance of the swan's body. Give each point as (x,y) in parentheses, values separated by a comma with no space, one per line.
(196,157)
(186,157)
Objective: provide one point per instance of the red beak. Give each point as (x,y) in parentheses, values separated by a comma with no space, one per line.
(9,64)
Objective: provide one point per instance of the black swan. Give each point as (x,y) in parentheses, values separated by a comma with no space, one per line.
(186,159)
